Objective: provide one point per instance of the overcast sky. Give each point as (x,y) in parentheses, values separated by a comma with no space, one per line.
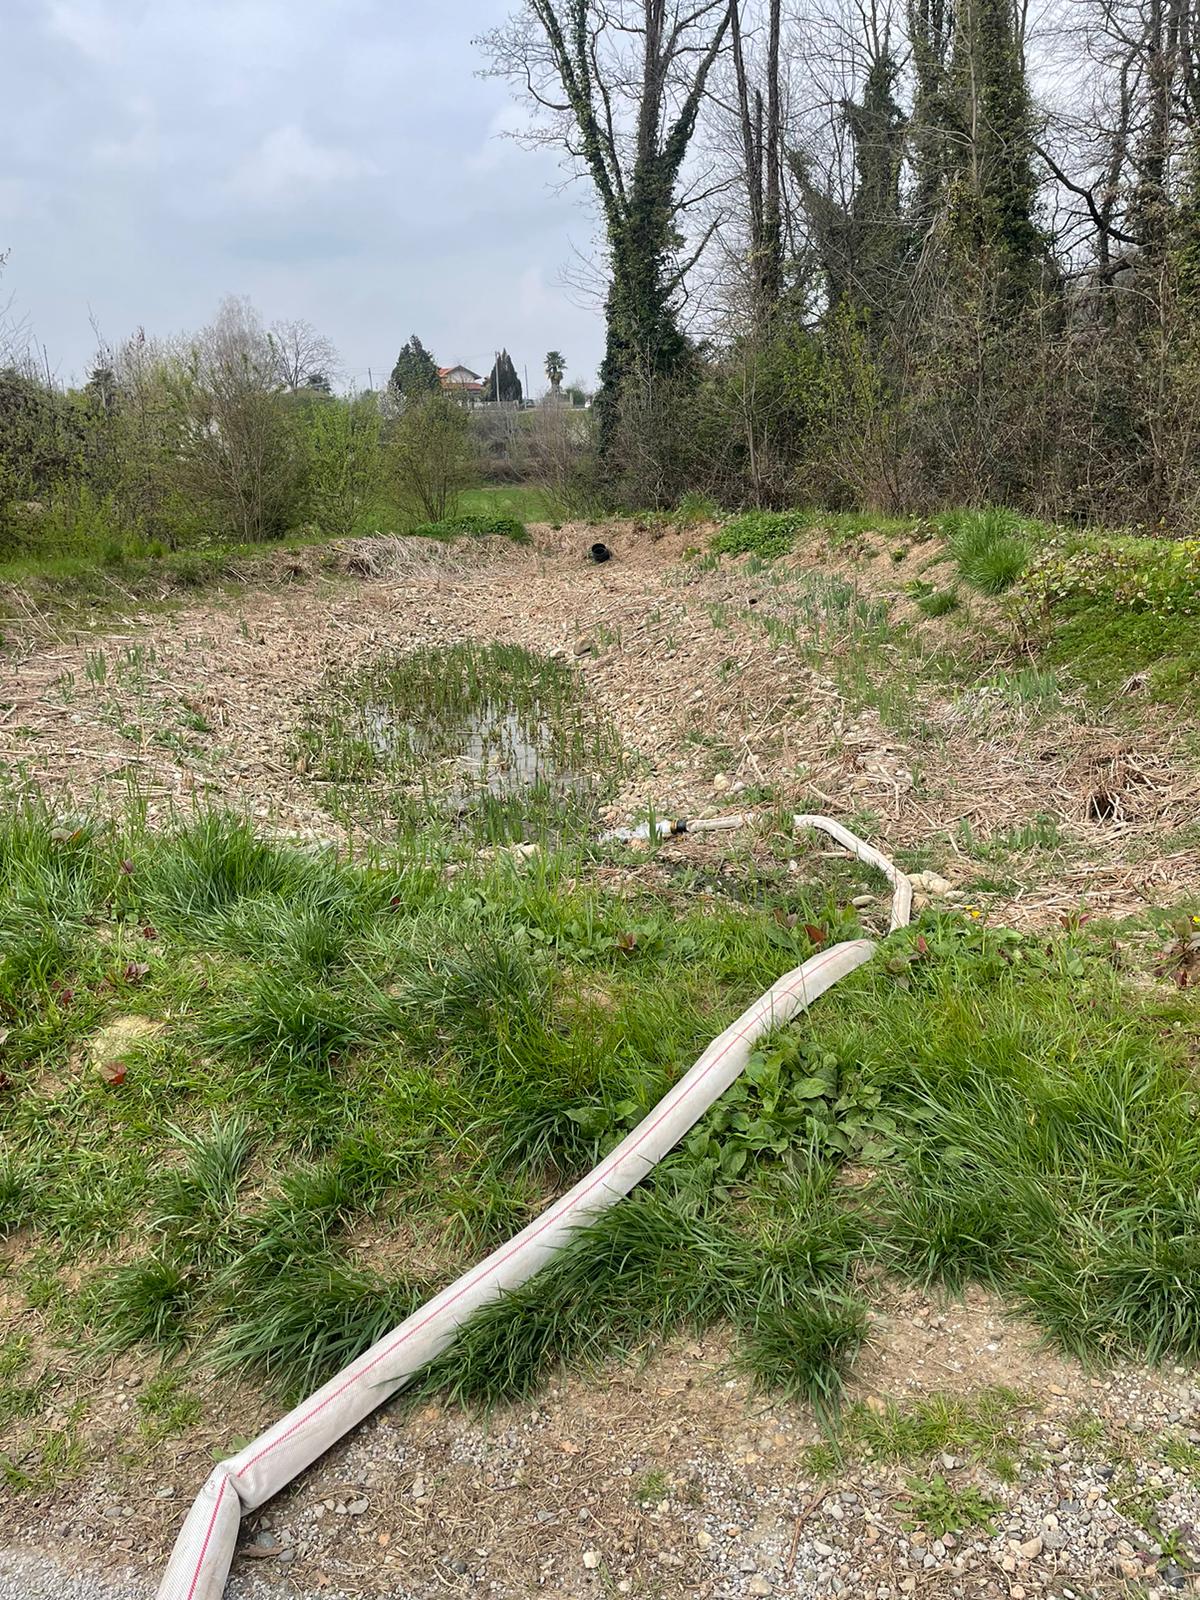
(335,160)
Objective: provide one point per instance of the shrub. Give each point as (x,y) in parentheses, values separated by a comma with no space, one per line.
(342,440)
(236,446)
(432,456)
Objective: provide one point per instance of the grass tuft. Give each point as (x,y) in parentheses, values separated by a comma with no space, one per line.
(300,1327)
(989,548)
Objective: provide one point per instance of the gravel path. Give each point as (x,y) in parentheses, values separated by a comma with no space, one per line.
(25,1576)
(673,1481)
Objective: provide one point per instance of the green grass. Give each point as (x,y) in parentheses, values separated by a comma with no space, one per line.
(1114,613)
(348,1050)
(102,574)
(476,524)
(522,502)
(985,1427)
(938,603)
(1108,649)
(337,1042)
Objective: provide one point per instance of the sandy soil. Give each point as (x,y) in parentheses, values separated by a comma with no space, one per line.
(709,700)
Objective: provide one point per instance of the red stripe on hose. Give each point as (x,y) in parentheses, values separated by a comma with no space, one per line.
(490,1266)
(212,1522)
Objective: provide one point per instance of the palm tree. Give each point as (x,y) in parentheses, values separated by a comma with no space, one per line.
(556,365)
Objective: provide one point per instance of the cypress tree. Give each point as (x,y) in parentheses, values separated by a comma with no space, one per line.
(503,383)
(415,372)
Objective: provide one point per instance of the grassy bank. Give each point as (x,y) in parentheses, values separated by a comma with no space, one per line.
(102,576)
(1110,611)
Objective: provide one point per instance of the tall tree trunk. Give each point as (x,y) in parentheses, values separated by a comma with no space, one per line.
(761,156)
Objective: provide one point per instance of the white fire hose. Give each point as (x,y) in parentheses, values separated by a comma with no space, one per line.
(201,1558)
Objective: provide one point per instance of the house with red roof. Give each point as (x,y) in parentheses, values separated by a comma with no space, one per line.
(461,380)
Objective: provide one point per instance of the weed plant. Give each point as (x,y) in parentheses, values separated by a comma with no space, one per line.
(766,534)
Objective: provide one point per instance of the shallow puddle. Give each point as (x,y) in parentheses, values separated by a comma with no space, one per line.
(492,739)
(496,748)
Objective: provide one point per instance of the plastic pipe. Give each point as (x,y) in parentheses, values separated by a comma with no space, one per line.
(200,1561)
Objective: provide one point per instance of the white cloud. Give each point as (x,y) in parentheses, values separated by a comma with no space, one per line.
(533,297)
(141,148)
(506,120)
(87,25)
(287,160)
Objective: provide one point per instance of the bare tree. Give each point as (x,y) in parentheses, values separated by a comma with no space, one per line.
(619,85)
(303,356)
(1121,148)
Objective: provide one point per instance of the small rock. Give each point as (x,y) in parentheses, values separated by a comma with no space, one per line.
(591,1559)
(355,1508)
(758,1585)
(1032,1548)
(931,883)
